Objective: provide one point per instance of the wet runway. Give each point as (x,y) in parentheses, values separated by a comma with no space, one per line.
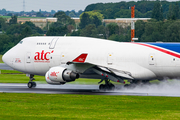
(87,90)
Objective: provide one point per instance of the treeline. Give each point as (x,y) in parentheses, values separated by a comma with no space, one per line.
(143,8)
(39,13)
(153,31)
(91,25)
(13,32)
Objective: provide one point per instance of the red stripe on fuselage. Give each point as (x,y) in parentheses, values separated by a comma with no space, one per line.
(160,49)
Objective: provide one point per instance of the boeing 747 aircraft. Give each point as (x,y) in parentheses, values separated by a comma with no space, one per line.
(65,59)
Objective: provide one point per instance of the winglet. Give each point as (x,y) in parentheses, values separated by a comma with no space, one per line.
(81,58)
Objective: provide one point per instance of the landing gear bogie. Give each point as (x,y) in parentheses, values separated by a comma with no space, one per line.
(31,84)
(106,86)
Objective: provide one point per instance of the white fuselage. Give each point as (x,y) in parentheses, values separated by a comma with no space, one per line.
(36,55)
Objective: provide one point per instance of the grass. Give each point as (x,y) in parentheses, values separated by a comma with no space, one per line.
(6,17)
(57,106)
(1,59)
(20,106)
(12,76)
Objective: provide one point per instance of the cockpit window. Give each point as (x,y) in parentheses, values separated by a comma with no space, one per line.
(20,42)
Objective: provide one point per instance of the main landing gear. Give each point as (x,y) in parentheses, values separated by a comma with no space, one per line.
(31,84)
(107,86)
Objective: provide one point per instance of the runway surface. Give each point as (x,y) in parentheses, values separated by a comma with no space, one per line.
(3,66)
(91,90)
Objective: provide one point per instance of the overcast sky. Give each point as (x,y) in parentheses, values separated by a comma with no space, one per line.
(48,5)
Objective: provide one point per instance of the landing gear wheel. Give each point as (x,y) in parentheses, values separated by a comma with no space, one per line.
(102,87)
(31,84)
(111,87)
(106,87)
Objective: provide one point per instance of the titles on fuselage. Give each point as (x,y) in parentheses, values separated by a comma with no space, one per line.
(42,56)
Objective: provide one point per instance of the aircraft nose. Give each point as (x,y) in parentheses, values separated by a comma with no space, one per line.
(6,58)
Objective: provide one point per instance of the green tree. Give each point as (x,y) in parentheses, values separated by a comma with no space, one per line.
(123,13)
(39,14)
(85,20)
(172,33)
(3,25)
(26,32)
(157,12)
(176,11)
(171,15)
(91,17)
(153,31)
(76,33)
(63,18)
(13,20)
(60,31)
(114,37)
(34,29)
(16,29)
(89,31)
(111,29)
(139,29)
(101,31)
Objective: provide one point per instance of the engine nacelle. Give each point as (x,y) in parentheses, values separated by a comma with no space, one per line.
(52,82)
(61,75)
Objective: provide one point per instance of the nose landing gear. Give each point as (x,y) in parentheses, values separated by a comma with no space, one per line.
(31,84)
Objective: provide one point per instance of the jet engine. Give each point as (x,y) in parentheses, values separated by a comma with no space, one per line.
(52,82)
(59,75)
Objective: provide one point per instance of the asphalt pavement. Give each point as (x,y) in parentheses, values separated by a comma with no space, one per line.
(89,90)
(3,66)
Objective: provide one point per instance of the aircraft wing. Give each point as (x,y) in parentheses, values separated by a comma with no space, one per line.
(120,73)
(103,71)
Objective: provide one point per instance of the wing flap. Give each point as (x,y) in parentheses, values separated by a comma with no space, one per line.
(119,73)
(123,74)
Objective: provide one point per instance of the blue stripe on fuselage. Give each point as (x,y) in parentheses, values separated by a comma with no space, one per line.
(170,46)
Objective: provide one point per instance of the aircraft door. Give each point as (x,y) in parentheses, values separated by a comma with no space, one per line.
(53,43)
(152,59)
(110,59)
(62,58)
(28,57)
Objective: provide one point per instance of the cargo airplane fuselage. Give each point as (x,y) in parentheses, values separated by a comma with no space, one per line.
(64,59)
